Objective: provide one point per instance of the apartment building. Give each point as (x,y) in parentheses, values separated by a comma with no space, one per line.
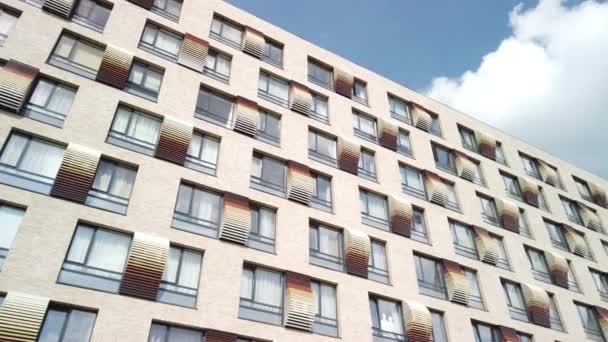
(184,171)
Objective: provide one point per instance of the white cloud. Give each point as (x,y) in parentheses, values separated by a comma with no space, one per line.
(547,83)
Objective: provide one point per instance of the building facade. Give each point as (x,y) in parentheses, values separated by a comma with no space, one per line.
(188,172)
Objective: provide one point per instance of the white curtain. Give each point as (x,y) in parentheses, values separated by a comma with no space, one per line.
(13,149)
(368,126)
(211,60)
(184,335)
(390,317)
(103,176)
(320,106)
(377,206)
(153,80)
(414,179)
(326,146)
(404,141)
(472,277)
(149,34)
(379,256)
(144,128)
(168,42)
(206,206)
(109,251)
(329,241)
(170,273)
(137,74)
(322,188)
(278,89)
(84,8)
(328,301)
(464,236)
(10,219)
(191,267)
(88,55)
(123,181)
(79,327)
(268,287)
(174,7)
(42,92)
(62,99)
(222,65)
(80,244)
(210,150)
(266,223)
(53,324)
(42,158)
(246,284)
(121,120)
(183,199)
(195,145)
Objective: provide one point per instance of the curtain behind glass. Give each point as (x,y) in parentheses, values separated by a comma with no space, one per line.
(268,287)
(103,176)
(170,273)
(378,256)
(123,181)
(222,65)
(42,158)
(53,324)
(195,145)
(329,241)
(168,42)
(61,101)
(10,219)
(13,149)
(377,206)
(438,329)
(79,327)
(247,284)
(206,206)
(328,301)
(80,244)
(210,150)
(42,92)
(109,251)
(266,223)
(7,22)
(87,55)
(472,277)
(191,267)
(183,199)
(464,236)
(390,317)
(144,128)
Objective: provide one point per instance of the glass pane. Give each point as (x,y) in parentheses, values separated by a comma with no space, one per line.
(210,150)
(79,327)
(195,145)
(247,284)
(206,206)
(64,46)
(42,92)
(373,308)
(183,199)
(268,287)
(390,316)
(157,333)
(10,219)
(328,301)
(109,251)
(266,223)
(184,335)
(7,22)
(329,241)
(168,42)
(53,326)
(124,178)
(80,244)
(42,158)
(379,256)
(170,273)
(144,128)
(103,176)
(62,99)
(377,206)
(88,55)
(13,149)
(191,268)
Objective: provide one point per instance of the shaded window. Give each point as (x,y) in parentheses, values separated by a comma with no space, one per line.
(600,280)
(226,32)
(377,265)
(475,300)
(326,247)
(412,181)
(360,91)
(169,9)
(320,74)
(50,102)
(399,109)
(542,202)
(273,89)
(63,324)
(326,318)
(419,231)
(322,148)
(538,263)
(556,233)
(367,165)
(444,158)
(365,126)
(112,186)
(77,55)
(261,297)
(144,80)
(263,228)
(387,319)
(590,322)
(180,280)
(572,210)
(161,42)
(92,14)
(170,333)
(213,107)
(10,219)
(489,212)
(134,130)
(512,187)
(500,154)
(321,192)
(452,197)
(320,108)
(469,141)
(269,127)
(8,19)
(554,317)
(524,227)
(268,174)
(273,53)
(430,277)
(203,153)
(218,66)
(404,145)
(515,301)
(374,209)
(435,126)
(530,166)
(197,210)
(583,188)
(464,240)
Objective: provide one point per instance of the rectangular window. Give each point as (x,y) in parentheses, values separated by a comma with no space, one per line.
(269,127)
(50,102)
(326,247)
(161,42)
(475,300)
(583,188)
(387,320)
(542,201)
(322,148)
(273,89)
(263,228)
(180,280)
(444,158)
(134,130)
(92,14)
(365,126)
(170,9)
(469,141)
(452,197)
(590,322)
(515,301)
(430,276)
(554,317)
(214,107)
(404,145)
(169,333)
(203,153)
(524,227)
(572,210)
(96,259)
(261,296)
(360,91)
(226,32)
(326,316)
(320,74)
(30,163)
(321,192)
(412,181)
(438,333)
(419,231)
(144,80)
(320,108)
(503,259)
(112,186)
(464,240)
(374,209)
(400,110)
(601,283)
(10,219)
(530,166)
(218,66)
(538,263)
(8,19)
(378,266)
(500,154)
(512,187)
(435,126)
(478,176)
(486,333)
(65,324)
(273,53)
(489,212)
(197,210)
(556,233)
(367,165)
(77,55)
(572,283)
(268,174)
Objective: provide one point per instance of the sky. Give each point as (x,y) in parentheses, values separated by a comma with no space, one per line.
(537,70)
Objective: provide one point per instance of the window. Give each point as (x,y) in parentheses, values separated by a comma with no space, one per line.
(412,181)
(404,146)
(542,202)
(387,320)
(326,318)
(203,153)
(30,163)
(435,126)
(374,209)
(475,299)
(8,19)
(515,301)
(360,91)
(486,333)
(268,174)
(197,210)
(464,240)
(554,317)
(180,280)
(64,324)
(538,263)
(261,295)
(170,9)
(503,260)
(572,283)
(213,107)
(489,212)
(273,53)
(218,66)
(444,158)
(144,80)
(512,187)
(319,110)
(263,228)
(96,259)
(226,32)
(469,141)
(524,337)
(524,227)
(530,166)
(161,42)
(590,322)
(583,188)
(77,55)
(269,127)
(93,14)
(452,197)
(367,165)
(320,74)
(273,89)
(438,332)
(399,109)
(500,154)
(321,192)
(169,333)
(430,277)
(378,267)
(556,233)
(572,210)
(419,231)
(365,126)
(50,102)
(326,247)
(10,219)
(112,186)
(134,130)
(601,283)
(322,148)
(478,176)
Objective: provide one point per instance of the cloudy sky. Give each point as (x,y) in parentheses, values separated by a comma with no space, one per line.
(535,69)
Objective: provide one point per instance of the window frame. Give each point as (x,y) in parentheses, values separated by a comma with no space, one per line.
(220,35)
(263,135)
(205,114)
(362,171)
(257,314)
(375,272)
(320,66)
(425,288)
(366,218)
(324,325)
(186,221)
(153,48)
(264,92)
(164,13)
(129,142)
(259,183)
(213,72)
(392,100)
(323,259)
(406,188)
(314,153)
(357,131)
(44,114)
(257,240)
(175,287)
(106,199)
(270,44)
(67,63)
(357,83)
(316,201)
(138,89)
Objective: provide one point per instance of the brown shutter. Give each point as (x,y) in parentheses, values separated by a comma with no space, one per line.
(464,166)
(529,191)
(299,302)
(343,83)
(558,266)
(590,218)
(598,195)
(300,183)
(147,4)
(237,219)
(486,144)
(301,98)
(115,67)
(174,140)
(219,336)
(62,8)
(508,214)
(456,282)
(246,116)
(537,302)
(487,246)
(16,81)
(418,322)
(602,317)
(76,173)
(357,250)
(576,242)
(548,173)
(401,216)
(21,317)
(145,266)
(349,153)
(422,119)
(508,334)
(193,52)
(435,188)
(389,133)
(253,42)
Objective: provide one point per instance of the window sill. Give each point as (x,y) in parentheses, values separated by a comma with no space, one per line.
(401,118)
(157,52)
(88,24)
(200,166)
(214,119)
(327,86)
(40,114)
(216,75)
(233,44)
(323,159)
(273,190)
(376,223)
(66,65)
(26,181)
(365,136)
(257,315)
(164,14)
(193,225)
(274,99)
(139,92)
(130,144)
(100,200)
